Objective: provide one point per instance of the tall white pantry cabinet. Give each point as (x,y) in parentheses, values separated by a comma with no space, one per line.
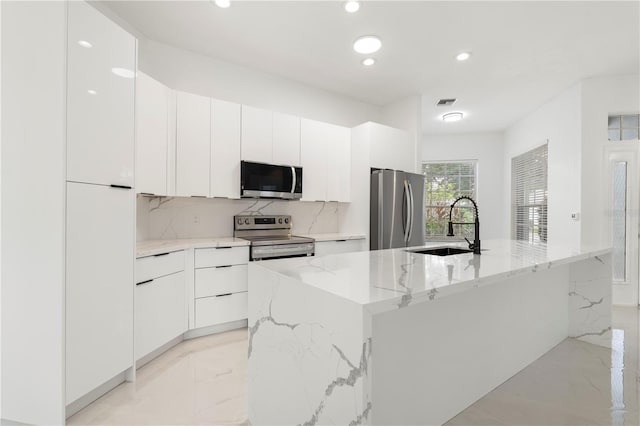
(68,79)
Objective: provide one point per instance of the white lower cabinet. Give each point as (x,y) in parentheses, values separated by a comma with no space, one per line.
(338,246)
(160,301)
(160,312)
(220,309)
(99,293)
(220,285)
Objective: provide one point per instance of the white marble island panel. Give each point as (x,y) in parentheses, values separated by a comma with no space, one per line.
(398,337)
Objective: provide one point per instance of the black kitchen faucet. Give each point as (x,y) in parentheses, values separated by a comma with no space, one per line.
(475,246)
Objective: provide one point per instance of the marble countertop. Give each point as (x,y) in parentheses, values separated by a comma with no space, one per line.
(151,247)
(383,278)
(334,236)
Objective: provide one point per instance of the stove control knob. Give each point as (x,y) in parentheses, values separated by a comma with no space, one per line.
(239,221)
(246,221)
(286,220)
(280,220)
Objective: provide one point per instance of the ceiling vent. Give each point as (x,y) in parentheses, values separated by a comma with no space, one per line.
(446,102)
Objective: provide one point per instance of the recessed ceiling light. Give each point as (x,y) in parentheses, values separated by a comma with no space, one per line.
(352,6)
(452,116)
(85,43)
(367,44)
(92,92)
(123,72)
(463,56)
(223,3)
(368,62)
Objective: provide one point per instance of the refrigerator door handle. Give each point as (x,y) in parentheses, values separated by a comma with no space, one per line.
(410,217)
(406,218)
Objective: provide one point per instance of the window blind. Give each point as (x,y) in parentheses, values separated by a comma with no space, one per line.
(444,182)
(529,195)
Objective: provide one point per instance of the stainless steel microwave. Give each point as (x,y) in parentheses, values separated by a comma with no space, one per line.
(261,180)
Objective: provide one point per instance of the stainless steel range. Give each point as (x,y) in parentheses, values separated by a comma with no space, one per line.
(271,237)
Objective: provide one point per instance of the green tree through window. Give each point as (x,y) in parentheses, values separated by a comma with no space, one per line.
(444,182)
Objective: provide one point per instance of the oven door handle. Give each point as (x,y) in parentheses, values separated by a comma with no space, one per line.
(293,179)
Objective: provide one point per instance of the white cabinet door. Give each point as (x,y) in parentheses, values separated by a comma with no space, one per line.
(152,135)
(324,248)
(286,139)
(161,313)
(99,285)
(221,309)
(257,134)
(391,148)
(338,163)
(100,98)
(313,158)
(225,149)
(192,145)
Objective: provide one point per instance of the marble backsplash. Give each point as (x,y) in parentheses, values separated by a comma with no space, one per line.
(177,217)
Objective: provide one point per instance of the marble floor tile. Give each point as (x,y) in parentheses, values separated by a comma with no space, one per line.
(203,381)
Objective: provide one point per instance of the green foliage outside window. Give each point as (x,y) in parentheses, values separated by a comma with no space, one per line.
(444,182)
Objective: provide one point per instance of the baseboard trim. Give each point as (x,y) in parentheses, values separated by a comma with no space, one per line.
(214,329)
(157,352)
(91,396)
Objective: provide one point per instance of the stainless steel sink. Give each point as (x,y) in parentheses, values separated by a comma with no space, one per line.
(441,251)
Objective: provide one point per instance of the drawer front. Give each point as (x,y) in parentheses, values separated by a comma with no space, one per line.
(218,310)
(221,256)
(337,247)
(222,280)
(160,312)
(156,266)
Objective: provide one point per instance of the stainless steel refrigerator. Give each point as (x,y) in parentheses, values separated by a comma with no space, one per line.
(397,209)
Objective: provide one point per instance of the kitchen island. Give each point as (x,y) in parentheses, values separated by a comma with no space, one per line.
(397,337)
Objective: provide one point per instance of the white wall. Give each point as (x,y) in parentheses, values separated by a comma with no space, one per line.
(406,114)
(488,149)
(559,122)
(601,97)
(171,218)
(33,198)
(195,73)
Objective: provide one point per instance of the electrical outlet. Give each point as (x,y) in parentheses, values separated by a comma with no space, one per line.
(196,220)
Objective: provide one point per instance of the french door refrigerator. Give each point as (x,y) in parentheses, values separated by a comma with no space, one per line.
(397,209)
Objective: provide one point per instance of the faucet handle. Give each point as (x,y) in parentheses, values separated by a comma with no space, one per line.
(471,245)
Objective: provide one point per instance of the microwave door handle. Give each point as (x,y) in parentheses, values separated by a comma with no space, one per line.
(293,180)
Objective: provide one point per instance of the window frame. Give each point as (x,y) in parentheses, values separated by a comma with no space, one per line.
(468,228)
(536,211)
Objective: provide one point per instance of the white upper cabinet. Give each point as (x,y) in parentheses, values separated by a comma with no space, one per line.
(193,124)
(286,139)
(257,134)
(338,163)
(100,99)
(391,148)
(152,135)
(313,158)
(225,149)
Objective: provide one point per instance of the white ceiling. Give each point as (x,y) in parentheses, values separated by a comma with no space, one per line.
(524,53)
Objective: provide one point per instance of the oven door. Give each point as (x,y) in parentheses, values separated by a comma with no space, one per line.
(282,251)
(261,180)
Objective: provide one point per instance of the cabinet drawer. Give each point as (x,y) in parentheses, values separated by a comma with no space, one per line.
(159,265)
(160,312)
(222,280)
(221,256)
(336,247)
(218,310)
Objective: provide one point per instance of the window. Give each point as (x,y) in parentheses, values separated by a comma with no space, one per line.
(444,182)
(529,196)
(624,127)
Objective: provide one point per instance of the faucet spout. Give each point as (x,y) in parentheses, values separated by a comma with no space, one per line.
(475,246)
